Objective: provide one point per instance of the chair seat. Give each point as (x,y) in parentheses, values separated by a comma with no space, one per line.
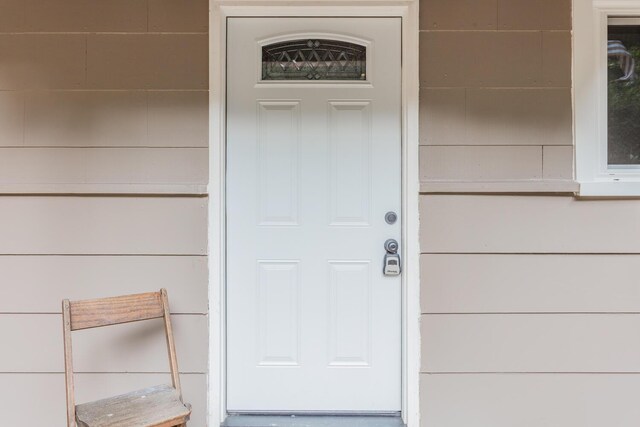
(158,406)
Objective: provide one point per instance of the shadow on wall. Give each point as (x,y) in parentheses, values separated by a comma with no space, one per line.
(462,116)
(68,97)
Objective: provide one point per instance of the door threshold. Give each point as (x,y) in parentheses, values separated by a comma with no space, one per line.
(313,421)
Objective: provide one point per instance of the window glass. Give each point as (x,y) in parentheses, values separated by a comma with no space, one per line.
(314,59)
(623,95)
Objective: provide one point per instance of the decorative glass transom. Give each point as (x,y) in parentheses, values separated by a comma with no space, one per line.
(314,59)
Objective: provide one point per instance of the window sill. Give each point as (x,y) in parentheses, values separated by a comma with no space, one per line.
(105,189)
(610,189)
(515,186)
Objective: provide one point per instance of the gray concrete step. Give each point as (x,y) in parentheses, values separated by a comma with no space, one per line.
(312,421)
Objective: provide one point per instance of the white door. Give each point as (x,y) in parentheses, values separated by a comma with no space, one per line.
(313,167)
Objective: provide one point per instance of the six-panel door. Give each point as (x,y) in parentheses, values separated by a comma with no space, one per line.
(314,164)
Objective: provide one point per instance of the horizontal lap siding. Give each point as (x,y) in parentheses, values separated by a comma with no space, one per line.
(530,400)
(36,284)
(136,347)
(103,166)
(101,96)
(485,117)
(495,73)
(521,293)
(525,283)
(530,302)
(480,163)
(103,225)
(531,343)
(528,224)
(105,118)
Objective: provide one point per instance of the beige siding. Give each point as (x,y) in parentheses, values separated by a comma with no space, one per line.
(527,400)
(458,15)
(147,61)
(557,162)
(35,284)
(103,166)
(101,350)
(480,163)
(491,59)
(537,291)
(495,72)
(35,61)
(103,225)
(531,343)
(528,224)
(525,283)
(185,15)
(105,119)
(455,116)
(46,392)
(530,302)
(80,15)
(534,15)
(101,97)
(11,118)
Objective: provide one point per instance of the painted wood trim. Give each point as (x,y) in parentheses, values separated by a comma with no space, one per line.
(590,23)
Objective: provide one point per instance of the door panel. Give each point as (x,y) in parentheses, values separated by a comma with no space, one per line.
(313,166)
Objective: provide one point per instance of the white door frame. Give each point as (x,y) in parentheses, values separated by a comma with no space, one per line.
(220,10)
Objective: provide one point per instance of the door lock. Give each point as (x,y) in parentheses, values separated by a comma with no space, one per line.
(391,263)
(391,217)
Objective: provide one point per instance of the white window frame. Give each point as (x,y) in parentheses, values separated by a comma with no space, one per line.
(590,27)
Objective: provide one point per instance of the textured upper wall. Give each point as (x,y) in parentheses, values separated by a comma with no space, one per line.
(106,95)
(495,79)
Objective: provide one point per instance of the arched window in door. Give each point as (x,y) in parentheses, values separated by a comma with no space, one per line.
(314,59)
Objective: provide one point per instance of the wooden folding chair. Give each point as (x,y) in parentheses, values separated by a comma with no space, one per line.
(159,406)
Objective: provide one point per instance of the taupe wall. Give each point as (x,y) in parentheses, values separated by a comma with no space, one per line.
(495,78)
(530,302)
(101,96)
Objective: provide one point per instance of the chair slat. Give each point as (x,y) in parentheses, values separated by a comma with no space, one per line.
(153,406)
(112,311)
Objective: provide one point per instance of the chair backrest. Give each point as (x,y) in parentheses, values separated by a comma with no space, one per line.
(77,315)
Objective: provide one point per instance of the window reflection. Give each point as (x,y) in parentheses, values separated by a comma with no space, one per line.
(623,95)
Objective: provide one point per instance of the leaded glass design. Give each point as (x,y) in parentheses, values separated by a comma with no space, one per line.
(314,59)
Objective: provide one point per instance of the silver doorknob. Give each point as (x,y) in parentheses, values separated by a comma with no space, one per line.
(391,263)
(391,246)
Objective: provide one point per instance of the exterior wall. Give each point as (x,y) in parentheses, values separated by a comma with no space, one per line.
(529,301)
(528,296)
(101,97)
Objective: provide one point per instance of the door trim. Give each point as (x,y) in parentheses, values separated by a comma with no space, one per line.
(220,10)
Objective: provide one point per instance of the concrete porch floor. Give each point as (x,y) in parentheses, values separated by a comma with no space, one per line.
(312,421)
